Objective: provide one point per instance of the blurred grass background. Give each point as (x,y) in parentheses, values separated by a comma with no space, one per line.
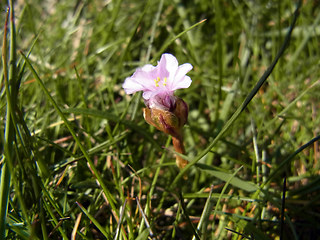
(78,159)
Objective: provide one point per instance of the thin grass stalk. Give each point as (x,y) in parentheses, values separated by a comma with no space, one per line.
(13,54)
(77,140)
(4,196)
(83,98)
(123,54)
(120,66)
(222,193)
(167,44)
(76,226)
(305,40)
(122,212)
(49,198)
(286,161)
(280,168)
(283,205)
(104,231)
(156,175)
(219,58)
(111,117)
(114,16)
(5,173)
(12,93)
(153,32)
(144,218)
(15,75)
(247,100)
(176,222)
(55,222)
(292,227)
(11,128)
(18,228)
(130,225)
(43,220)
(186,214)
(153,184)
(256,162)
(291,104)
(203,222)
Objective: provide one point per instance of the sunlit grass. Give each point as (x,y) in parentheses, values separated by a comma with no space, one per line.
(78,158)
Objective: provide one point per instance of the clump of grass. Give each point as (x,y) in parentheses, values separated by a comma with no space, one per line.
(79,161)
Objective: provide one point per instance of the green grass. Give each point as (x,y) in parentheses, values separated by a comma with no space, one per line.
(78,161)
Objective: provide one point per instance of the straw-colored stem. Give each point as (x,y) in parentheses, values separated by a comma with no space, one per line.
(178,147)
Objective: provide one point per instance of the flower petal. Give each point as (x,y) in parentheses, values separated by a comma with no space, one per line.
(168,65)
(180,79)
(185,82)
(130,86)
(140,80)
(183,70)
(147,95)
(164,100)
(158,83)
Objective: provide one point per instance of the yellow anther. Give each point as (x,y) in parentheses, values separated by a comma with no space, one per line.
(156,81)
(165,81)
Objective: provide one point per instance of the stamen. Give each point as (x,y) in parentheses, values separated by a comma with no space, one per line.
(156,81)
(165,81)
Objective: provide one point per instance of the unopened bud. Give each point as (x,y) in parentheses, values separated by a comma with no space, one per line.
(181,111)
(164,121)
(170,122)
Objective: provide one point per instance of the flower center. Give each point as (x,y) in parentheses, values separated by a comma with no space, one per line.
(158,80)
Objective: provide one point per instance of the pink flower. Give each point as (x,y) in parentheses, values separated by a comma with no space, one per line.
(158,83)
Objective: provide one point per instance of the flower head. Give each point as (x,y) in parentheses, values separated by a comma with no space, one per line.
(158,83)
(164,111)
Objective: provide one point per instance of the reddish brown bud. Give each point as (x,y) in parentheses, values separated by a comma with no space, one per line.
(181,111)
(170,122)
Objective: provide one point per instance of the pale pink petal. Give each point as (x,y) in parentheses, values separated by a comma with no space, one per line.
(151,94)
(168,65)
(180,76)
(165,101)
(185,82)
(131,86)
(159,82)
(183,70)
(146,95)
(145,76)
(147,68)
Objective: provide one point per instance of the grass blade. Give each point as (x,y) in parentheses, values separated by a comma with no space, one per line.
(203,222)
(5,173)
(77,140)
(228,177)
(247,100)
(103,230)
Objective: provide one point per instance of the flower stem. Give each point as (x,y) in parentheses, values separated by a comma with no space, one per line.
(178,147)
